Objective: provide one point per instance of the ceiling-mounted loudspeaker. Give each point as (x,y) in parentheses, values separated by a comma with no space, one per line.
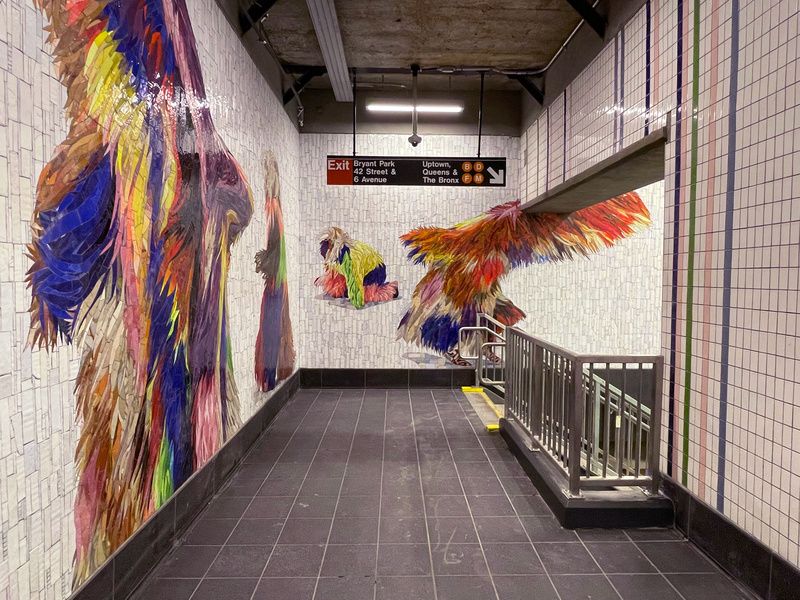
(414,139)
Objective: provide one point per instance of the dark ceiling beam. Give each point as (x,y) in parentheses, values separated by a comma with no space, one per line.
(533,89)
(301,82)
(253,14)
(594,19)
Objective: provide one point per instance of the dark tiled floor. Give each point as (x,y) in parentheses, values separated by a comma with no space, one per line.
(401,495)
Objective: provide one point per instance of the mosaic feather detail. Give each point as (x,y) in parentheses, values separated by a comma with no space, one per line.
(275,354)
(467,262)
(353,270)
(135,215)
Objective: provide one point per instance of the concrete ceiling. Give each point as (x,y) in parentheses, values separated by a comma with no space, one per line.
(393,34)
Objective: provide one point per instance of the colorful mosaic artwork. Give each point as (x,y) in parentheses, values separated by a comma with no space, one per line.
(467,262)
(353,270)
(135,216)
(275,356)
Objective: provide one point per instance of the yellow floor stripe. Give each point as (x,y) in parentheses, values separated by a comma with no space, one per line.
(479,391)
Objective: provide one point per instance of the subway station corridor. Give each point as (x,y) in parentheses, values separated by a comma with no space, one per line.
(399,300)
(401,495)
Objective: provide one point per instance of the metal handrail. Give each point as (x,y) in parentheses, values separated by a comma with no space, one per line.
(552,392)
(485,325)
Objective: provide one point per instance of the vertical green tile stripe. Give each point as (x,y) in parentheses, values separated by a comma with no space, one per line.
(690,257)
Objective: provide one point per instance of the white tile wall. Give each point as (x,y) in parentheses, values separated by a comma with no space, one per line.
(756,481)
(338,336)
(37,414)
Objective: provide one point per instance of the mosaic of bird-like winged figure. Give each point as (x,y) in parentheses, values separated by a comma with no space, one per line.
(467,262)
(275,354)
(134,220)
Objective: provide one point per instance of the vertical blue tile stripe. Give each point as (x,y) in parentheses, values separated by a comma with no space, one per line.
(675,232)
(728,255)
(647,59)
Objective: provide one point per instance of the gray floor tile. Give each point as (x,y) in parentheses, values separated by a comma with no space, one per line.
(355,486)
(358,506)
(294,561)
(516,486)
(447,486)
(210,532)
(404,588)
(584,587)
(637,587)
(531,505)
(449,530)
(354,530)
(305,531)
(285,588)
(524,587)
(676,557)
(547,529)
(465,588)
(458,559)
(403,559)
(269,508)
(619,557)
(399,530)
(476,469)
(187,561)
(401,506)
(566,558)
(447,506)
(174,589)
(280,487)
(345,588)
(512,559)
(491,506)
(230,589)
(308,507)
(602,535)
(256,532)
(240,561)
(226,507)
(707,587)
(481,485)
(327,486)
(500,529)
(349,560)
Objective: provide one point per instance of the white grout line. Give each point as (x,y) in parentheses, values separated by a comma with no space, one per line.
(464,491)
(508,497)
(422,494)
(339,495)
(380,493)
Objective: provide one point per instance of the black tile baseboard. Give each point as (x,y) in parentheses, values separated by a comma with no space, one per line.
(742,556)
(386,378)
(118,578)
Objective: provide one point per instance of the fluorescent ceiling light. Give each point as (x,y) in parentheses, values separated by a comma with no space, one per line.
(329,36)
(421,108)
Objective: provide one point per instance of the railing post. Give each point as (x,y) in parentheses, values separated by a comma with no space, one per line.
(478,360)
(576,428)
(653,459)
(537,391)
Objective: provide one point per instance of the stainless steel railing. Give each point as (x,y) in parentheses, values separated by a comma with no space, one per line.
(596,417)
(487,339)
